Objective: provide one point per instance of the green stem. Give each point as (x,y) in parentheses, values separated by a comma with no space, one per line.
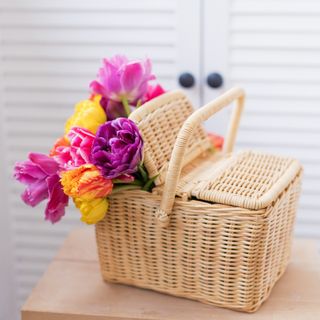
(126,106)
(117,189)
(121,182)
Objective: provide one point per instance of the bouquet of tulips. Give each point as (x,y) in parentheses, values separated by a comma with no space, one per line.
(101,149)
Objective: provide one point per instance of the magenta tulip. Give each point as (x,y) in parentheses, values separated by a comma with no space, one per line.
(58,200)
(153,92)
(39,174)
(122,80)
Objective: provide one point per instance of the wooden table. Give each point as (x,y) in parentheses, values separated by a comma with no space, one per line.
(72,289)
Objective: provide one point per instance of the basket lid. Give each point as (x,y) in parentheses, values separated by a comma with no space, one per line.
(248,179)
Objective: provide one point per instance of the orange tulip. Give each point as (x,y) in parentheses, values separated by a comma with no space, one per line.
(61,142)
(86,183)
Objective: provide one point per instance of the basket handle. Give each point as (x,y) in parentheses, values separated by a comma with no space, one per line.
(196,118)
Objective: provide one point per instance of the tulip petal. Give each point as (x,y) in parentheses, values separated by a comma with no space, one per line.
(58,200)
(110,78)
(86,182)
(92,211)
(148,67)
(132,76)
(35,193)
(47,164)
(118,60)
(97,88)
(27,172)
(153,92)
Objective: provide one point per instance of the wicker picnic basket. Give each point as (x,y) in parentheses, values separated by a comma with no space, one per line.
(217,227)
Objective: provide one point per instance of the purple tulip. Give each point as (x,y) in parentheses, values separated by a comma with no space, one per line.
(120,79)
(39,174)
(117,149)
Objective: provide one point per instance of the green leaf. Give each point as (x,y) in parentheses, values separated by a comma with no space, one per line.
(148,186)
(143,172)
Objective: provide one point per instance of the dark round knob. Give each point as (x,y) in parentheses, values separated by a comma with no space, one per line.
(214,80)
(186,80)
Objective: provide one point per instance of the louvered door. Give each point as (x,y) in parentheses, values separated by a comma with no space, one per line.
(50,51)
(271,48)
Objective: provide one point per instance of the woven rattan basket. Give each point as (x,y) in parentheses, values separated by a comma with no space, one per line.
(217,227)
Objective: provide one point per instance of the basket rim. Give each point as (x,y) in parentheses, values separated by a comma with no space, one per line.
(140,113)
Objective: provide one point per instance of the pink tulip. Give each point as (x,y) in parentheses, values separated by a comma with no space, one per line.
(81,141)
(120,79)
(153,92)
(39,174)
(78,152)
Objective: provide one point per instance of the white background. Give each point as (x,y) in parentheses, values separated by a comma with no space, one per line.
(51,50)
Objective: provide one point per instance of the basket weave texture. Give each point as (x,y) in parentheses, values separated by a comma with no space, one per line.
(213,250)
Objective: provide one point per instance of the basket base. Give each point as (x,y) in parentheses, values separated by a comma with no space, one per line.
(247,309)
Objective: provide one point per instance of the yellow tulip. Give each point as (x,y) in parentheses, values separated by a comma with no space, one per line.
(88,114)
(92,210)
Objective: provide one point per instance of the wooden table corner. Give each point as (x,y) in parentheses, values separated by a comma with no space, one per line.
(73,289)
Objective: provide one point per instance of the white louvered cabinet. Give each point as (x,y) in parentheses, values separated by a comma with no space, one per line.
(271,48)
(50,50)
